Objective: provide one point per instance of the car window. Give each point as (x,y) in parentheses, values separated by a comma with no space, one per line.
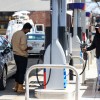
(1,40)
(4,43)
(2,46)
(36,37)
(39,28)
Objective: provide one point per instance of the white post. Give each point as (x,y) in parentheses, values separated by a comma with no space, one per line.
(62,12)
(54,20)
(56,52)
(75,22)
(83,16)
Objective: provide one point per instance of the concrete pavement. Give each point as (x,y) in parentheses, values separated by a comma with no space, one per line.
(88,91)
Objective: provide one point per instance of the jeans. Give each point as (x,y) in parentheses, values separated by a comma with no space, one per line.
(21,63)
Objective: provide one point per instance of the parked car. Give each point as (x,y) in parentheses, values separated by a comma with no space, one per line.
(37,42)
(7,63)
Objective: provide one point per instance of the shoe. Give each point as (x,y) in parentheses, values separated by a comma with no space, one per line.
(15,87)
(20,89)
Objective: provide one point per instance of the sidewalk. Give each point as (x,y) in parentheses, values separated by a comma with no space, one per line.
(88,91)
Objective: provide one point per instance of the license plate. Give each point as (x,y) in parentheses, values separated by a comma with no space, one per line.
(35,44)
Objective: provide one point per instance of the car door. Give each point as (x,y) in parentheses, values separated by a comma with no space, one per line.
(9,57)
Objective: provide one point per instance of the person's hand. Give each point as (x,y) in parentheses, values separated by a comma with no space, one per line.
(29,48)
(83,49)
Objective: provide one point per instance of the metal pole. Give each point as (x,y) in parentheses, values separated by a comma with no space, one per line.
(57,66)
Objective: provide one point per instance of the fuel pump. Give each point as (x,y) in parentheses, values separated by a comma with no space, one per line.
(85,55)
(70,54)
(54,53)
(83,45)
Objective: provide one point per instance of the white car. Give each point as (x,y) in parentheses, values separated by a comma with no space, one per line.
(37,41)
(7,62)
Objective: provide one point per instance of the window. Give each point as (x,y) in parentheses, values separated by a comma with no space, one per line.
(36,36)
(5,42)
(2,46)
(4,19)
(39,28)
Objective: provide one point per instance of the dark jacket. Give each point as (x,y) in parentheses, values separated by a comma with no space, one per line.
(95,44)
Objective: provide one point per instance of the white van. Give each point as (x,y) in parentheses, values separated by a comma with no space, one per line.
(13,26)
(37,41)
(20,19)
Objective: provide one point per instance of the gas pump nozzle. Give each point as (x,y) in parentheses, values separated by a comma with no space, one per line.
(83,45)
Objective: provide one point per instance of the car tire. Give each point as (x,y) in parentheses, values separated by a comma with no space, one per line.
(3,79)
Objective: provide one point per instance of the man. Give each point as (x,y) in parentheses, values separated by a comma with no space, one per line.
(19,45)
(96,45)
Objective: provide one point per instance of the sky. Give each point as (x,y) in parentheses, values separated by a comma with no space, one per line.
(92,6)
